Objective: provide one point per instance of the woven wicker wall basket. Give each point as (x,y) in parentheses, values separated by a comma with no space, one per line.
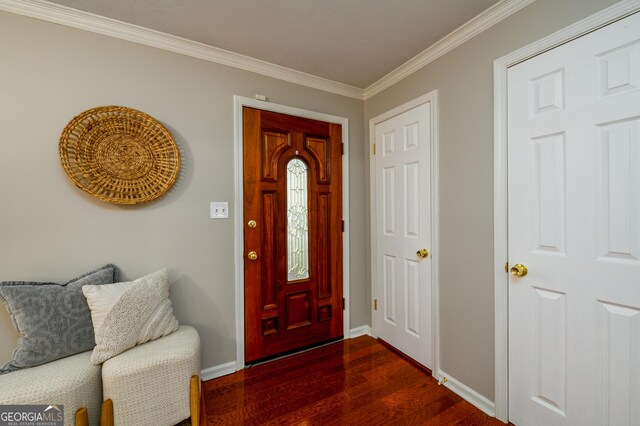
(119,155)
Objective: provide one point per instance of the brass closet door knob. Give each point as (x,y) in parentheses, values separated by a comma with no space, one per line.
(422,253)
(519,270)
(252,255)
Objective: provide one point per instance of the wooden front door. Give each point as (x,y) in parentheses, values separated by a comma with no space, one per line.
(292,232)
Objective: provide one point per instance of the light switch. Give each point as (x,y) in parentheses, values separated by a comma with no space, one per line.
(219,210)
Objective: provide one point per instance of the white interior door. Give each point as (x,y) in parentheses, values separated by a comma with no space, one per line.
(574,222)
(403,227)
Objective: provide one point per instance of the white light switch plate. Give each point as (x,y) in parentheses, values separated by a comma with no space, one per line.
(219,210)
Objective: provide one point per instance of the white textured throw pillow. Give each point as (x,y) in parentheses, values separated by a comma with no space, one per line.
(127,314)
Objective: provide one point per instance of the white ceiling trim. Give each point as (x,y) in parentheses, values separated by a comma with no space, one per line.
(467,31)
(75,18)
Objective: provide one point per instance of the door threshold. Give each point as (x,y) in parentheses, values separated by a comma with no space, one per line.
(293,352)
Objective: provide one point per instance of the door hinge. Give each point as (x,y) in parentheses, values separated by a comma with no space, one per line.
(343,304)
(343,226)
(506,267)
(375,304)
(342,148)
(374,149)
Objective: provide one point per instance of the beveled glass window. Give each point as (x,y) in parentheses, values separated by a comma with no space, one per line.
(297,220)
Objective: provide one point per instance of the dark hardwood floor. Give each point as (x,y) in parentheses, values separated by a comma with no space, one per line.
(352,382)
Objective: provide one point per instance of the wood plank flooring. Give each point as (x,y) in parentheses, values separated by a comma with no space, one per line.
(353,382)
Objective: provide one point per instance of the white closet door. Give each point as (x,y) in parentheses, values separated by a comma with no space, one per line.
(574,222)
(403,212)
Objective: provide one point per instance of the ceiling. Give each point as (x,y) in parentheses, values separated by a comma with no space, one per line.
(355,42)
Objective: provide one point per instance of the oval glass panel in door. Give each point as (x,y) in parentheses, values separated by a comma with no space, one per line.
(297,220)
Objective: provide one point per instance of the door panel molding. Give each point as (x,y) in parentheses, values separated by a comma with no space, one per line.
(607,16)
(238,207)
(432,98)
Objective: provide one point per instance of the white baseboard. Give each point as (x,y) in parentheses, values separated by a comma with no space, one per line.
(218,371)
(467,393)
(363,330)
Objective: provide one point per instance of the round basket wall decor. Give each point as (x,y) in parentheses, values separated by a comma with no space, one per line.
(119,155)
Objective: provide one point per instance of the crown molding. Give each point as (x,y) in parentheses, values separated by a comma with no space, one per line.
(467,31)
(75,18)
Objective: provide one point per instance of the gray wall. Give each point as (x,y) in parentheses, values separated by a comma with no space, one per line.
(49,230)
(464,80)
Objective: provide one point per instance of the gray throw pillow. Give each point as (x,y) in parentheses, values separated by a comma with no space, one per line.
(54,320)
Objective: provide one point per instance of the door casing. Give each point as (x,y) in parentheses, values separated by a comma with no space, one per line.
(500,211)
(434,248)
(238,207)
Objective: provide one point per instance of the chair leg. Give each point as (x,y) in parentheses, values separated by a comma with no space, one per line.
(195,400)
(106,417)
(82,417)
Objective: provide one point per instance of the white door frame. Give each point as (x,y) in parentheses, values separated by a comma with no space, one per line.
(500,210)
(434,249)
(239,102)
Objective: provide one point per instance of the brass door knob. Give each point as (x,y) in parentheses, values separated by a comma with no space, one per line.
(252,255)
(519,270)
(422,253)
(252,224)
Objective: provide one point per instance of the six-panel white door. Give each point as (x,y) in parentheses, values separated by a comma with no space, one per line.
(403,226)
(574,222)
